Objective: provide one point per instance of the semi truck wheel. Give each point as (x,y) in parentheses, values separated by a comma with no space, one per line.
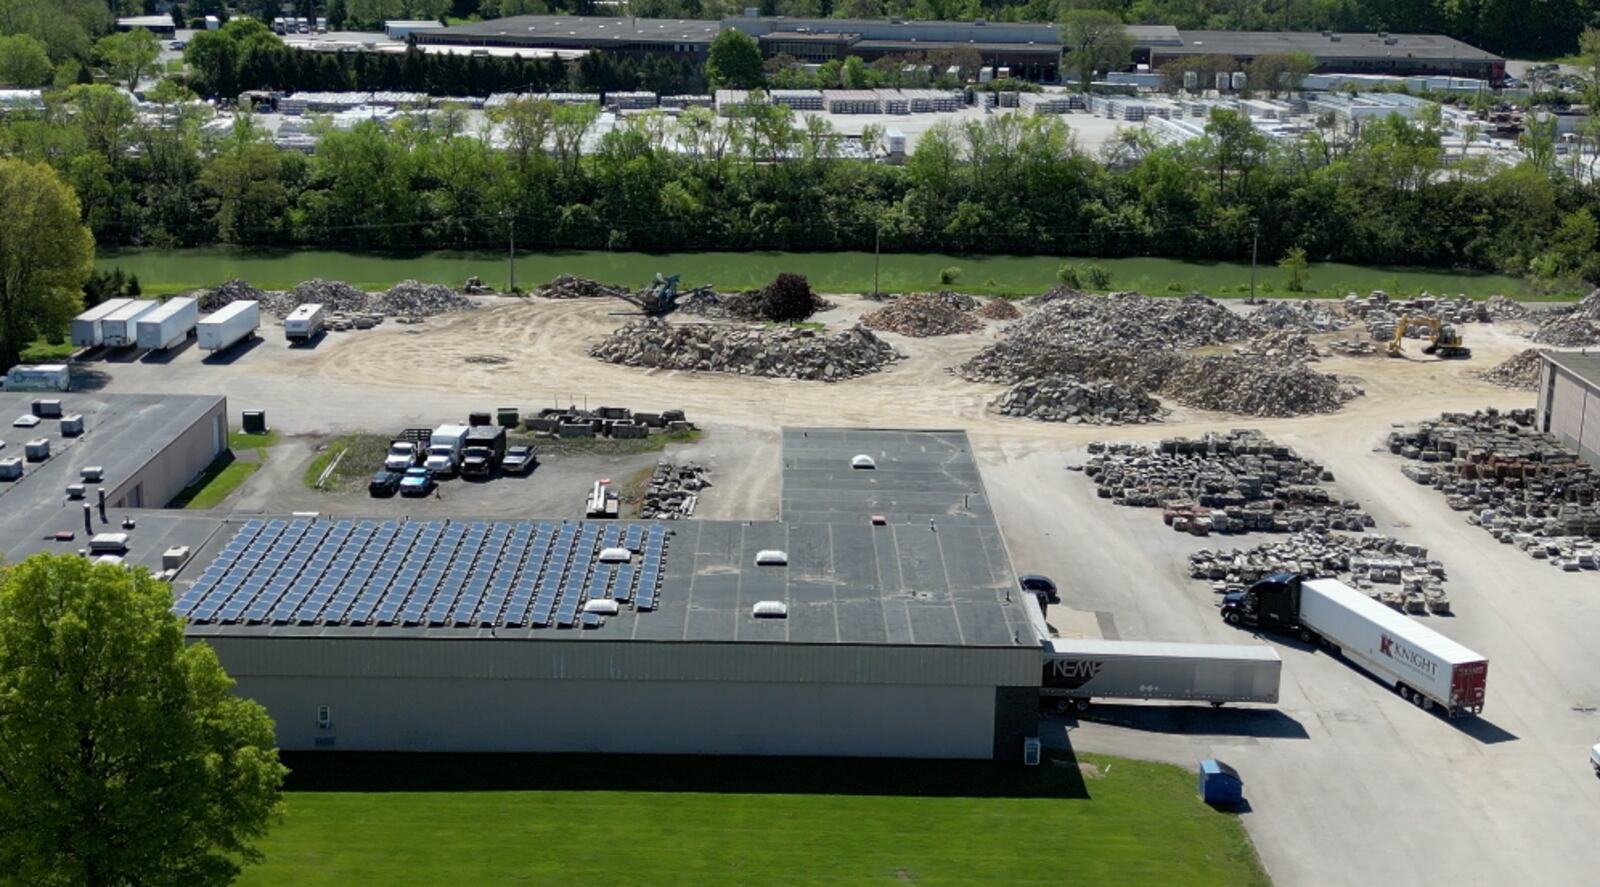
(1231,618)
(1426,703)
(1404,691)
(1305,635)
(1080,704)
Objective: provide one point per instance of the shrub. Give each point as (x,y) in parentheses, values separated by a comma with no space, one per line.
(1096,278)
(788,299)
(949,275)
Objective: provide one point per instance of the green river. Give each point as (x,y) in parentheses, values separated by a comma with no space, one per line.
(165,271)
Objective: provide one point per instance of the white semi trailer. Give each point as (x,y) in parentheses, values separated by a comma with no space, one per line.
(304,323)
(119,329)
(86,330)
(1421,664)
(229,324)
(1078,671)
(168,325)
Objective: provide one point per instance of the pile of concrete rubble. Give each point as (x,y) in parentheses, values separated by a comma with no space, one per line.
(1305,316)
(347,306)
(921,315)
(567,286)
(998,309)
(1576,327)
(673,491)
(1234,482)
(1078,402)
(1522,486)
(784,352)
(1397,573)
(1136,342)
(1520,371)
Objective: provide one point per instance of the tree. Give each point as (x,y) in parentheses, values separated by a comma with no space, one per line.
(24,63)
(1277,72)
(1096,41)
(125,758)
(788,298)
(128,55)
(734,62)
(1294,266)
(45,256)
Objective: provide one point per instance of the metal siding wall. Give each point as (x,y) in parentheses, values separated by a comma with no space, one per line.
(391,714)
(627,660)
(1567,408)
(176,465)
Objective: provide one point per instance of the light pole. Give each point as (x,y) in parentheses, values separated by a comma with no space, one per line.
(1255,244)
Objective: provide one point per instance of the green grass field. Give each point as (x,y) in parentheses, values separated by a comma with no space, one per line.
(693,822)
(222,477)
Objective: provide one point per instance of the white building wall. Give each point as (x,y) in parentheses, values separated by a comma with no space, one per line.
(447,715)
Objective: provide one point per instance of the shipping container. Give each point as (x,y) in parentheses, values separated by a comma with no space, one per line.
(86,326)
(119,329)
(231,323)
(1077,671)
(168,325)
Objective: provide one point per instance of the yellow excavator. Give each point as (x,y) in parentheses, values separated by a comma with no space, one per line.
(1444,341)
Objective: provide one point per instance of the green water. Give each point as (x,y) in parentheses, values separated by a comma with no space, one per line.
(162,271)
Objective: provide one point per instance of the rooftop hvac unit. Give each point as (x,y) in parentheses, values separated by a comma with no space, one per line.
(10,469)
(255,421)
(104,543)
(769,610)
(71,426)
(92,473)
(74,491)
(37,450)
(47,408)
(771,557)
(601,607)
(863,461)
(614,555)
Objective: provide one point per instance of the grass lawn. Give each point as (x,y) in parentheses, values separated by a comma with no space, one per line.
(243,440)
(221,478)
(41,351)
(363,455)
(608,820)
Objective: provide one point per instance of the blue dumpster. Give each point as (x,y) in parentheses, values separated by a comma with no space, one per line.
(1219,783)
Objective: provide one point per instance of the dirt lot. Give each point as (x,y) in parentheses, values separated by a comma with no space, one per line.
(1347,783)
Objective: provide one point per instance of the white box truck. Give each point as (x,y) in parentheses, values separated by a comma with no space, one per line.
(119,329)
(1421,664)
(41,377)
(168,325)
(86,326)
(444,449)
(1078,671)
(233,322)
(304,323)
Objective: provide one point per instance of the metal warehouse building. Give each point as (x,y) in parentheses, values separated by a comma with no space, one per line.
(891,629)
(1569,401)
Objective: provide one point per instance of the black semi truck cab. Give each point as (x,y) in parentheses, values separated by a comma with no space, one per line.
(1272,603)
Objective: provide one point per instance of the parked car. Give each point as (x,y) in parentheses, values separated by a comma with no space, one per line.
(384,483)
(417,482)
(1040,585)
(519,460)
(178,44)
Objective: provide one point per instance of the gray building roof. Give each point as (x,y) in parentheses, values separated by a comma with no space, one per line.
(934,572)
(122,433)
(1583,364)
(1434,47)
(575,30)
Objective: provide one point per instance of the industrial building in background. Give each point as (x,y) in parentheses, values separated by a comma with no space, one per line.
(1026,50)
(1569,386)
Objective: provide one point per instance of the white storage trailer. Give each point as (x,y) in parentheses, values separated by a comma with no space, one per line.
(168,325)
(229,324)
(119,329)
(1421,664)
(86,326)
(304,323)
(41,377)
(1076,671)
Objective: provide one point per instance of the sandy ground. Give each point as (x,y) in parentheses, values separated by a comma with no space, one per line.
(1348,784)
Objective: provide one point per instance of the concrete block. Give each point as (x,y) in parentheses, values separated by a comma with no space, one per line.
(576,429)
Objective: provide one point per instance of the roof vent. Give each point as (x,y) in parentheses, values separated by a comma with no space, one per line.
(614,555)
(772,557)
(601,606)
(863,461)
(769,610)
(1335,38)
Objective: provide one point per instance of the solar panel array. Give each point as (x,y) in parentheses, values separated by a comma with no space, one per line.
(424,573)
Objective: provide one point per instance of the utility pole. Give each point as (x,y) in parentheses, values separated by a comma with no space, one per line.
(1255,244)
(511,250)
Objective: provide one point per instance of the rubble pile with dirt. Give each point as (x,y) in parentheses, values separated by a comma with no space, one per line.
(783,352)
(921,315)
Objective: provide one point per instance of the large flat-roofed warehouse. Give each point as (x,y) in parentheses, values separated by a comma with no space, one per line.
(625,35)
(1569,401)
(1343,53)
(877,617)
(141,451)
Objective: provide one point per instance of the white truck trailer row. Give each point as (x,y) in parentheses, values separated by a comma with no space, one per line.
(168,325)
(228,325)
(86,327)
(119,329)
